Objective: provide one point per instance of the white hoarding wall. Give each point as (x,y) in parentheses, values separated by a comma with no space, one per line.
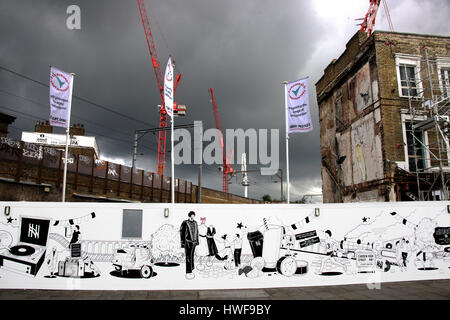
(136,247)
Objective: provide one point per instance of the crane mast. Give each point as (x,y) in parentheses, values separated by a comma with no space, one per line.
(369,20)
(226,166)
(160,83)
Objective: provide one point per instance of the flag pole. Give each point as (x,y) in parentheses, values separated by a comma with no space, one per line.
(172,157)
(67,140)
(287,142)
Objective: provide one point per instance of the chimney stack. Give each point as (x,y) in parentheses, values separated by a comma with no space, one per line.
(77,130)
(43,127)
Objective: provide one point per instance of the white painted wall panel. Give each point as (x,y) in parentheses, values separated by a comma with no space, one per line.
(358,238)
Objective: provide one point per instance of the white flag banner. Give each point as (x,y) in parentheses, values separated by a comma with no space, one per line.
(60,97)
(298,116)
(168,88)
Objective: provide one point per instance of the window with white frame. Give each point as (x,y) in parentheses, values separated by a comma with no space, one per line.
(408,75)
(443,66)
(415,147)
(417,155)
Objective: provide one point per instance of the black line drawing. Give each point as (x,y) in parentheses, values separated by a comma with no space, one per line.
(380,242)
(278,253)
(212,247)
(74,221)
(403,249)
(6,239)
(189,240)
(165,246)
(91,267)
(203,247)
(134,258)
(76,236)
(207,250)
(237,245)
(332,248)
(51,259)
(227,252)
(256,240)
(424,241)
(27,256)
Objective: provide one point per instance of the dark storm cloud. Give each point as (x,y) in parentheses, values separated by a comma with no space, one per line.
(242,49)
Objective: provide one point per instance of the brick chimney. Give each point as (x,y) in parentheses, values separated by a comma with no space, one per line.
(77,130)
(43,127)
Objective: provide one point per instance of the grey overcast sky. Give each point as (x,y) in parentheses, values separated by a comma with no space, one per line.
(242,49)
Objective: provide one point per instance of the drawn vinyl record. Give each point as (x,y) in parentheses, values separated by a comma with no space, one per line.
(22,250)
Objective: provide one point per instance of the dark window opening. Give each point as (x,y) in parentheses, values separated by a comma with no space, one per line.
(445,80)
(416,152)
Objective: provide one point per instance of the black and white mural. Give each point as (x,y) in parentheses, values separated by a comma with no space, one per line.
(189,246)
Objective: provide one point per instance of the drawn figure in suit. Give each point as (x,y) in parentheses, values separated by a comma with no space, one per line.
(189,240)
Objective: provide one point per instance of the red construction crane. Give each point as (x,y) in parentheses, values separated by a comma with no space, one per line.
(227,169)
(369,20)
(160,83)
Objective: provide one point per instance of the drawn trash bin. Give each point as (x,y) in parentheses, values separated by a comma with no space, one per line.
(256,240)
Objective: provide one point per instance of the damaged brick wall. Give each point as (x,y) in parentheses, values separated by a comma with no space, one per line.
(360,114)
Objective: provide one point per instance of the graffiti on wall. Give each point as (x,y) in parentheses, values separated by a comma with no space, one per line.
(360,89)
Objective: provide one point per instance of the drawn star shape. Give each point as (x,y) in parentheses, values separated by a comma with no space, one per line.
(365,219)
(10,220)
(240,225)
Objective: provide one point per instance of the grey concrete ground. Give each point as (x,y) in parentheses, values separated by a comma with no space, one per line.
(412,290)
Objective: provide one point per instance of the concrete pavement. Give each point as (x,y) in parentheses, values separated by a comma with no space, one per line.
(410,290)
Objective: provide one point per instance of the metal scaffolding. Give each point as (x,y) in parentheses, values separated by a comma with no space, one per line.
(429,112)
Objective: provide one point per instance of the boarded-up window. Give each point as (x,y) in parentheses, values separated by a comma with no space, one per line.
(132,223)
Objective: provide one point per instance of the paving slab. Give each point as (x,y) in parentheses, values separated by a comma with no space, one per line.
(411,290)
(158,295)
(112,295)
(234,294)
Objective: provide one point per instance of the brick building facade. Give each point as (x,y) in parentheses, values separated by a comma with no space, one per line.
(383,112)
